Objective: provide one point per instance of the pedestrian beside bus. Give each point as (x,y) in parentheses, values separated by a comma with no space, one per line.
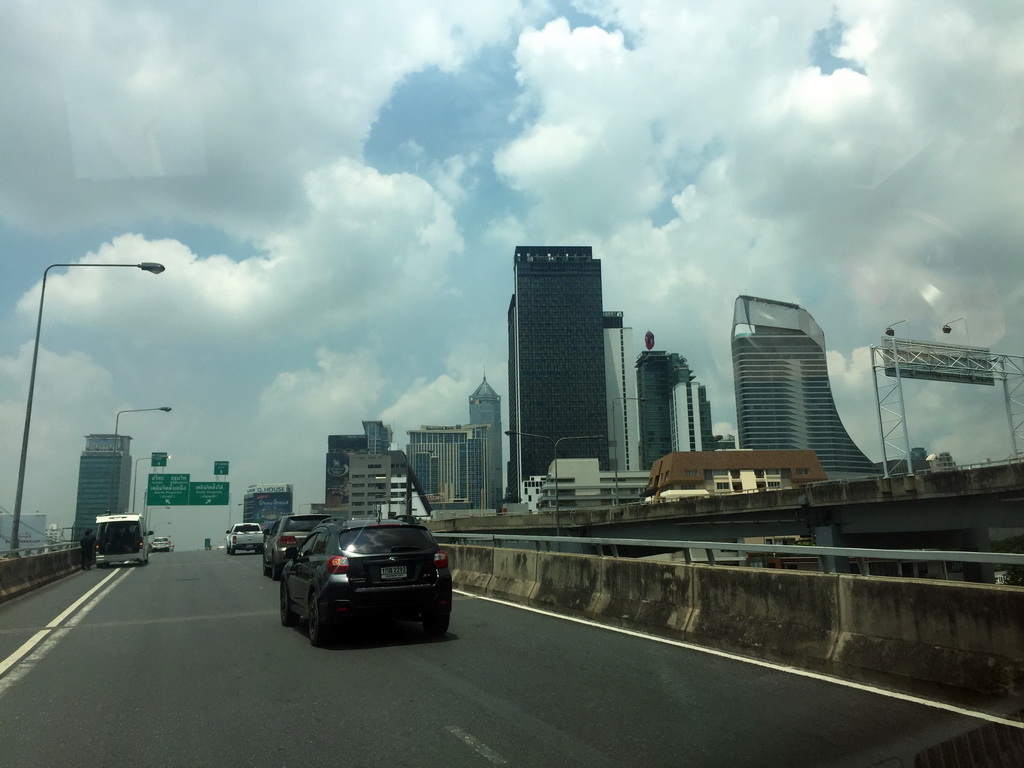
(88,549)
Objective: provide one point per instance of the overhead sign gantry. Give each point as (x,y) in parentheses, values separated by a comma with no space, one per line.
(894,360)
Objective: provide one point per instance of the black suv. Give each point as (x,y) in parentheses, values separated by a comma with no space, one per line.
(347,570)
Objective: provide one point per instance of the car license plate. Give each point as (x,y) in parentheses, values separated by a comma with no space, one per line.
(388,572)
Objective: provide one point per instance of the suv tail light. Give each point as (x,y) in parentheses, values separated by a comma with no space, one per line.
(287,541)
(440,559)
(337,564)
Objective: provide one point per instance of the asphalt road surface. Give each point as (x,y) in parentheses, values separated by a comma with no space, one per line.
(184,663)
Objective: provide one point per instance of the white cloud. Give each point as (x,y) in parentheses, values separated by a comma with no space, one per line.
(370,245)
(74,396)
(367,247)
(238,103)
(341,390)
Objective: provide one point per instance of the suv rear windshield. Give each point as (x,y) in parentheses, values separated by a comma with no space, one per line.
(300,523)
(376,540)
(122,537)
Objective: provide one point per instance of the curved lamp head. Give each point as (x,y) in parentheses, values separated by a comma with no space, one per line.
(889,328)
(947,329)
(152,266)
(164,408)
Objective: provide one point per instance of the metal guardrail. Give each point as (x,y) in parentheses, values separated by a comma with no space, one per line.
(39,549)
(824,555)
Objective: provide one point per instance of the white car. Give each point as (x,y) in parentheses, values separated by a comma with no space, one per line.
(160,544)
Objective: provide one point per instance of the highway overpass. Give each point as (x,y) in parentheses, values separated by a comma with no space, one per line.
(185,663)
(953,510)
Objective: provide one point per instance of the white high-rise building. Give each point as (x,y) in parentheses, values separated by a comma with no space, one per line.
(620,385)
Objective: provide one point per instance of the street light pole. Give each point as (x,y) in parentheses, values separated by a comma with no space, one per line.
(110,492)
(135,485)
(554,447)
(626,446)
(147,266)
(163,408)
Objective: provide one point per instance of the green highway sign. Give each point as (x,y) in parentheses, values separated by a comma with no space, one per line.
(220,468)
(158,460)
(200,494)
(167,491)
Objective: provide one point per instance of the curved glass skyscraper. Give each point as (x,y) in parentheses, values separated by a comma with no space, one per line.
(783,397)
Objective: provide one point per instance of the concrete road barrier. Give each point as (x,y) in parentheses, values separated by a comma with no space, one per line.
(907,631)
(772,614)
(19,575)
(951,633)
(637,593)
(514,574)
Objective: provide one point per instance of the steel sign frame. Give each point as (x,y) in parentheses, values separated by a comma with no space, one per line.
(894,360)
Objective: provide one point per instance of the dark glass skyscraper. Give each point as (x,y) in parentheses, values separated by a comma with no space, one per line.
(783,397)
(104,479)
(556,367)
(675,414)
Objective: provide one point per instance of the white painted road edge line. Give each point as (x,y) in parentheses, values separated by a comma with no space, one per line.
(27,646)
(766,664)
(38,637)
(71,608)
(476,745)
(51,637)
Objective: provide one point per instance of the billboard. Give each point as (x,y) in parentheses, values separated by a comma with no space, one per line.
(265,503)
(934,361)
(31,530)
(336,486)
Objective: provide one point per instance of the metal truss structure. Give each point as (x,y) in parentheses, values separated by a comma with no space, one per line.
(894,360)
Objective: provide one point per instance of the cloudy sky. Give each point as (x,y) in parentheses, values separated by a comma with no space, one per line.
(336,190)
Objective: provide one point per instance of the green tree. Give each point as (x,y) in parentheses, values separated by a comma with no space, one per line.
(1014,573)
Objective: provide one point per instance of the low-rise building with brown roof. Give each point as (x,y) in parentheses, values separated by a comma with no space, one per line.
(699,473)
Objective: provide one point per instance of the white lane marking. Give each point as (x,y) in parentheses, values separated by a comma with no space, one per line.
(179,619)
(27,646)
(476,745)
(36,638)
(71,608)
(30,662)
(977,714)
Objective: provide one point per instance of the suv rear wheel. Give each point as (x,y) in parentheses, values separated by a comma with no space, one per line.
(436,625)
(317,630)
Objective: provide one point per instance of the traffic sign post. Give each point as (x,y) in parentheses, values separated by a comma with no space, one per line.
(167,491)
(208,494)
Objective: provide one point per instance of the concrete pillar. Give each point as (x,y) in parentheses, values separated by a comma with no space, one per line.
(829,536)
(977,540)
